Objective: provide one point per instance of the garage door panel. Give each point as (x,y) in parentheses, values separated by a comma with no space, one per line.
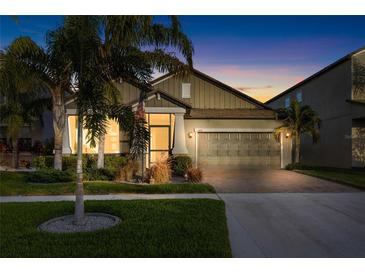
(238,150)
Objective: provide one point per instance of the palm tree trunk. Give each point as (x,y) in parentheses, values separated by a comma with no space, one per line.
(297,148)
(100,163)
(59,121)
(15,154)
(79,203)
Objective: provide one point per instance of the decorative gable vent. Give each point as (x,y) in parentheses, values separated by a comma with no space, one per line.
(186,90)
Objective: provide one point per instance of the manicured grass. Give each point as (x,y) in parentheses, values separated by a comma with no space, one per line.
(149,228)
(349,177)
(13,183)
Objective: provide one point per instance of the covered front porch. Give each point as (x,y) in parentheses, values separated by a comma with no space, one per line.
(165,120)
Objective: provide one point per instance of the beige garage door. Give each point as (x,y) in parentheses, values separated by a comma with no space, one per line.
(238,150)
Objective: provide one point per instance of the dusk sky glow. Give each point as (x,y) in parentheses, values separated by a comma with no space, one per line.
(260,55)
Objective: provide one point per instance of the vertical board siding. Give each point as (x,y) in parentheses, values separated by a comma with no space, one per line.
(204,94)
(159,103)
(128,92)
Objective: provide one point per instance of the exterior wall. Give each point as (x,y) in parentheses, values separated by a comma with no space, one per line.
(327,95)
(203,94)
(159,103)
(358,76)
(358,143)
(192,124)
(128,92)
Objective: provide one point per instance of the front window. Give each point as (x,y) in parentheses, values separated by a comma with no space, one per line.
(287,102)
(299,97)
(111,145)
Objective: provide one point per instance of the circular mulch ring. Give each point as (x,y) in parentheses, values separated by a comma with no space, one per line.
(92,222)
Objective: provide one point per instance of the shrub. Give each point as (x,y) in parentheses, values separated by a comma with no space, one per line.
(195,175)
(48,161)
(128,171)
(160,172)
(69,162)
(180,164)
(88,161)
(112,163)
(115,163)
(39,162)
(49,176)
(100,174)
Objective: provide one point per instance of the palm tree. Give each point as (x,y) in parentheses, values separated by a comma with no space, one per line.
(299,120)
(23,103)
(136,32)
(47,70)
(109,49)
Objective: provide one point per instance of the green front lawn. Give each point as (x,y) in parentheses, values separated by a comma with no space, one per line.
(344,176)
(149,228)
(14,183)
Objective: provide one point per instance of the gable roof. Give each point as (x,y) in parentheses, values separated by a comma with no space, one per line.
(217,83)
(317,74)
(165,96)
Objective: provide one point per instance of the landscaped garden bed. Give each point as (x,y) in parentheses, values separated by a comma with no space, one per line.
(15,183)
(158,228)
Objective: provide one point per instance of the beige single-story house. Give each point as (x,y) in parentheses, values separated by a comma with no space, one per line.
(199,116)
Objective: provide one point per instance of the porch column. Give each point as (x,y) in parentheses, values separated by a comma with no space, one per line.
(66,149)
(179,136)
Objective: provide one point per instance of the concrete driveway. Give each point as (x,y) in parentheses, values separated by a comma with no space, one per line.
(268,181)
(296,224)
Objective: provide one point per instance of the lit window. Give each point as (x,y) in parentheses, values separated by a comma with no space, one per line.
(287,102)
(111,144)
(161,136)
(159,119)
(185,90)
(299,96)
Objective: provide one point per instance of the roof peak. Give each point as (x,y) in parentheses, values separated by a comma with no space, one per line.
(318,73)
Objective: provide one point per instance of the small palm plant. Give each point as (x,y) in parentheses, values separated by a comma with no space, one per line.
(299,120)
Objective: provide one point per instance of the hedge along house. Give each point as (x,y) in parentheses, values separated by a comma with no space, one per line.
(198,116)
(337,94)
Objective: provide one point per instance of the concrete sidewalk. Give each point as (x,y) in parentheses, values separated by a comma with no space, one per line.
(55,198)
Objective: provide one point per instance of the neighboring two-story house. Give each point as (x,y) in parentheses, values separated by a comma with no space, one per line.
(218,126)
(337,94)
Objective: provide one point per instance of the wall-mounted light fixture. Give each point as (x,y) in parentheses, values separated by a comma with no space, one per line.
(287,135)
(190,134)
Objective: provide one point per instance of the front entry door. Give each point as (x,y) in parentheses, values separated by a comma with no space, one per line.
(159,143)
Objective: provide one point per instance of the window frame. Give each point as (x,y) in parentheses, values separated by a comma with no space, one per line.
(186,90)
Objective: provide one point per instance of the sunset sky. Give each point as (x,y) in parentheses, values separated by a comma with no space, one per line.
(260,55)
